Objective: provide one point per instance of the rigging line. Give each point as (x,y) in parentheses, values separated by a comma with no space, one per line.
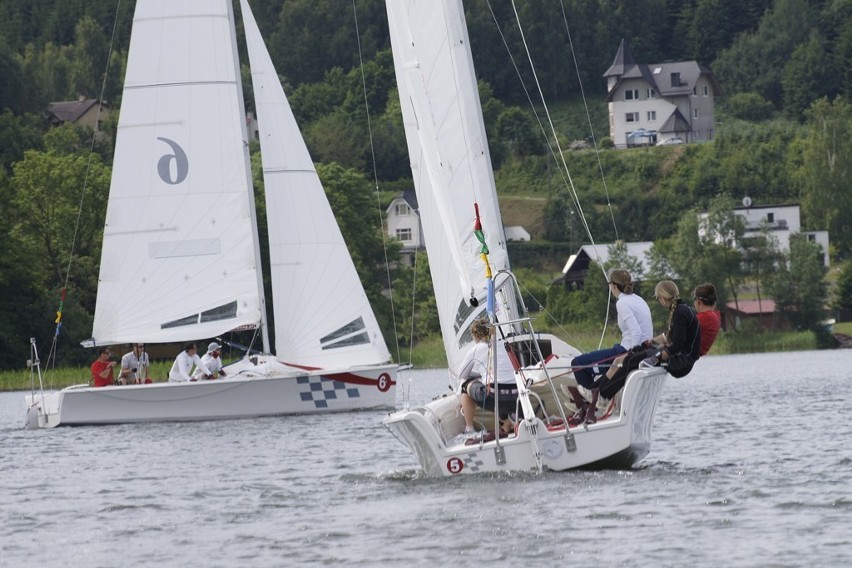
(88,170)
(589,118)
(527,93)
(597,157)
(563,170)
(550,148)
(376,181)
(552,127)
(559,147)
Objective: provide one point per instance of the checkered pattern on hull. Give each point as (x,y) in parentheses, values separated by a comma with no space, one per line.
(319,390)
(473,463)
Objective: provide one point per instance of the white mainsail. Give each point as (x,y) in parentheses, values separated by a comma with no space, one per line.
(179,259)
(450,160)
(322,315)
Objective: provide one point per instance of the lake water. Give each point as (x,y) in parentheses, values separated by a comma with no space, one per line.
(751,466)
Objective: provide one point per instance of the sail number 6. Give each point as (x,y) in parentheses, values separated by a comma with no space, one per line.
(181,163)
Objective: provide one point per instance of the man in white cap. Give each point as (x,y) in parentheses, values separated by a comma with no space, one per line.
(212,361)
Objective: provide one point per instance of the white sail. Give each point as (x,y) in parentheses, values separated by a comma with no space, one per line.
(178,259)
(322,315)
(449,158)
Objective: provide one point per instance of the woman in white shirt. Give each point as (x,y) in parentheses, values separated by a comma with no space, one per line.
(634,321)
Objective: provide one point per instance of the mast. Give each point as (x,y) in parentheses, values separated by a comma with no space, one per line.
(264,327)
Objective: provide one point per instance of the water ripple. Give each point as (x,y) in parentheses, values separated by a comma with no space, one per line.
(729,480)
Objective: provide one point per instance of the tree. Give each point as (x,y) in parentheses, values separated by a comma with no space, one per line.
(313,100)
(619,258)
(336,137)
(704,249)
(808,76)
(415,306)
(302,54)
(799,286)
(742,67)
(49,189)
(843,291)
(825,170)
(516,131)
(10,70)
(17,134)
(586,305)
(90,51)
(749,106)
(762,258)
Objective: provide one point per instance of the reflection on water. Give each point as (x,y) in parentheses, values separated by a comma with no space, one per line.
(750,465)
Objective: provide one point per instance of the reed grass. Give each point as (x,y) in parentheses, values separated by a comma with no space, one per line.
(61,377)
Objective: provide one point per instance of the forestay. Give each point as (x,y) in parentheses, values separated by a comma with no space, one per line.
(450,160)
(322,315)
(179,259)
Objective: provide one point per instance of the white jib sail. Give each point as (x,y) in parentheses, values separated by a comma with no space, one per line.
(322,315)
(178,258)
(449,157)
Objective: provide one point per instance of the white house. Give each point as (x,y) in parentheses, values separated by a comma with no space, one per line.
(404,223)
(782,221)
(659,103)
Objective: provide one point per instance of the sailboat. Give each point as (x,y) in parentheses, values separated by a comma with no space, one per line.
(181,254)
(454,182)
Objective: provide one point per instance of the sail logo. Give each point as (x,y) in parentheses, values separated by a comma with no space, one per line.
(175,163)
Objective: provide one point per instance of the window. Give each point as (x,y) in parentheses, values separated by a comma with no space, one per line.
(652,116)
(631,94)
(694,91)
(631,117)
(695,113)
(402,209)
(812,238)
(403,234)
(706,90)
(770,217)
(675,78)
(652,94)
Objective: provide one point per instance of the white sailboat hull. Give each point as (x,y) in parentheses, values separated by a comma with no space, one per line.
(264,388)
(619,441)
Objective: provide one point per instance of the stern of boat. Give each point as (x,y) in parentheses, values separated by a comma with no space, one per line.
(641,394)
(43,409)
(426,430)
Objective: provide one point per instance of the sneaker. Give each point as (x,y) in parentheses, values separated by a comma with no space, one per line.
(467,434)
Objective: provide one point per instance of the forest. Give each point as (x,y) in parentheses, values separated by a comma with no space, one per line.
(784,135)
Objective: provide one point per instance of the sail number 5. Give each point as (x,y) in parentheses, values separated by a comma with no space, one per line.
(455,465)
(178,158)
